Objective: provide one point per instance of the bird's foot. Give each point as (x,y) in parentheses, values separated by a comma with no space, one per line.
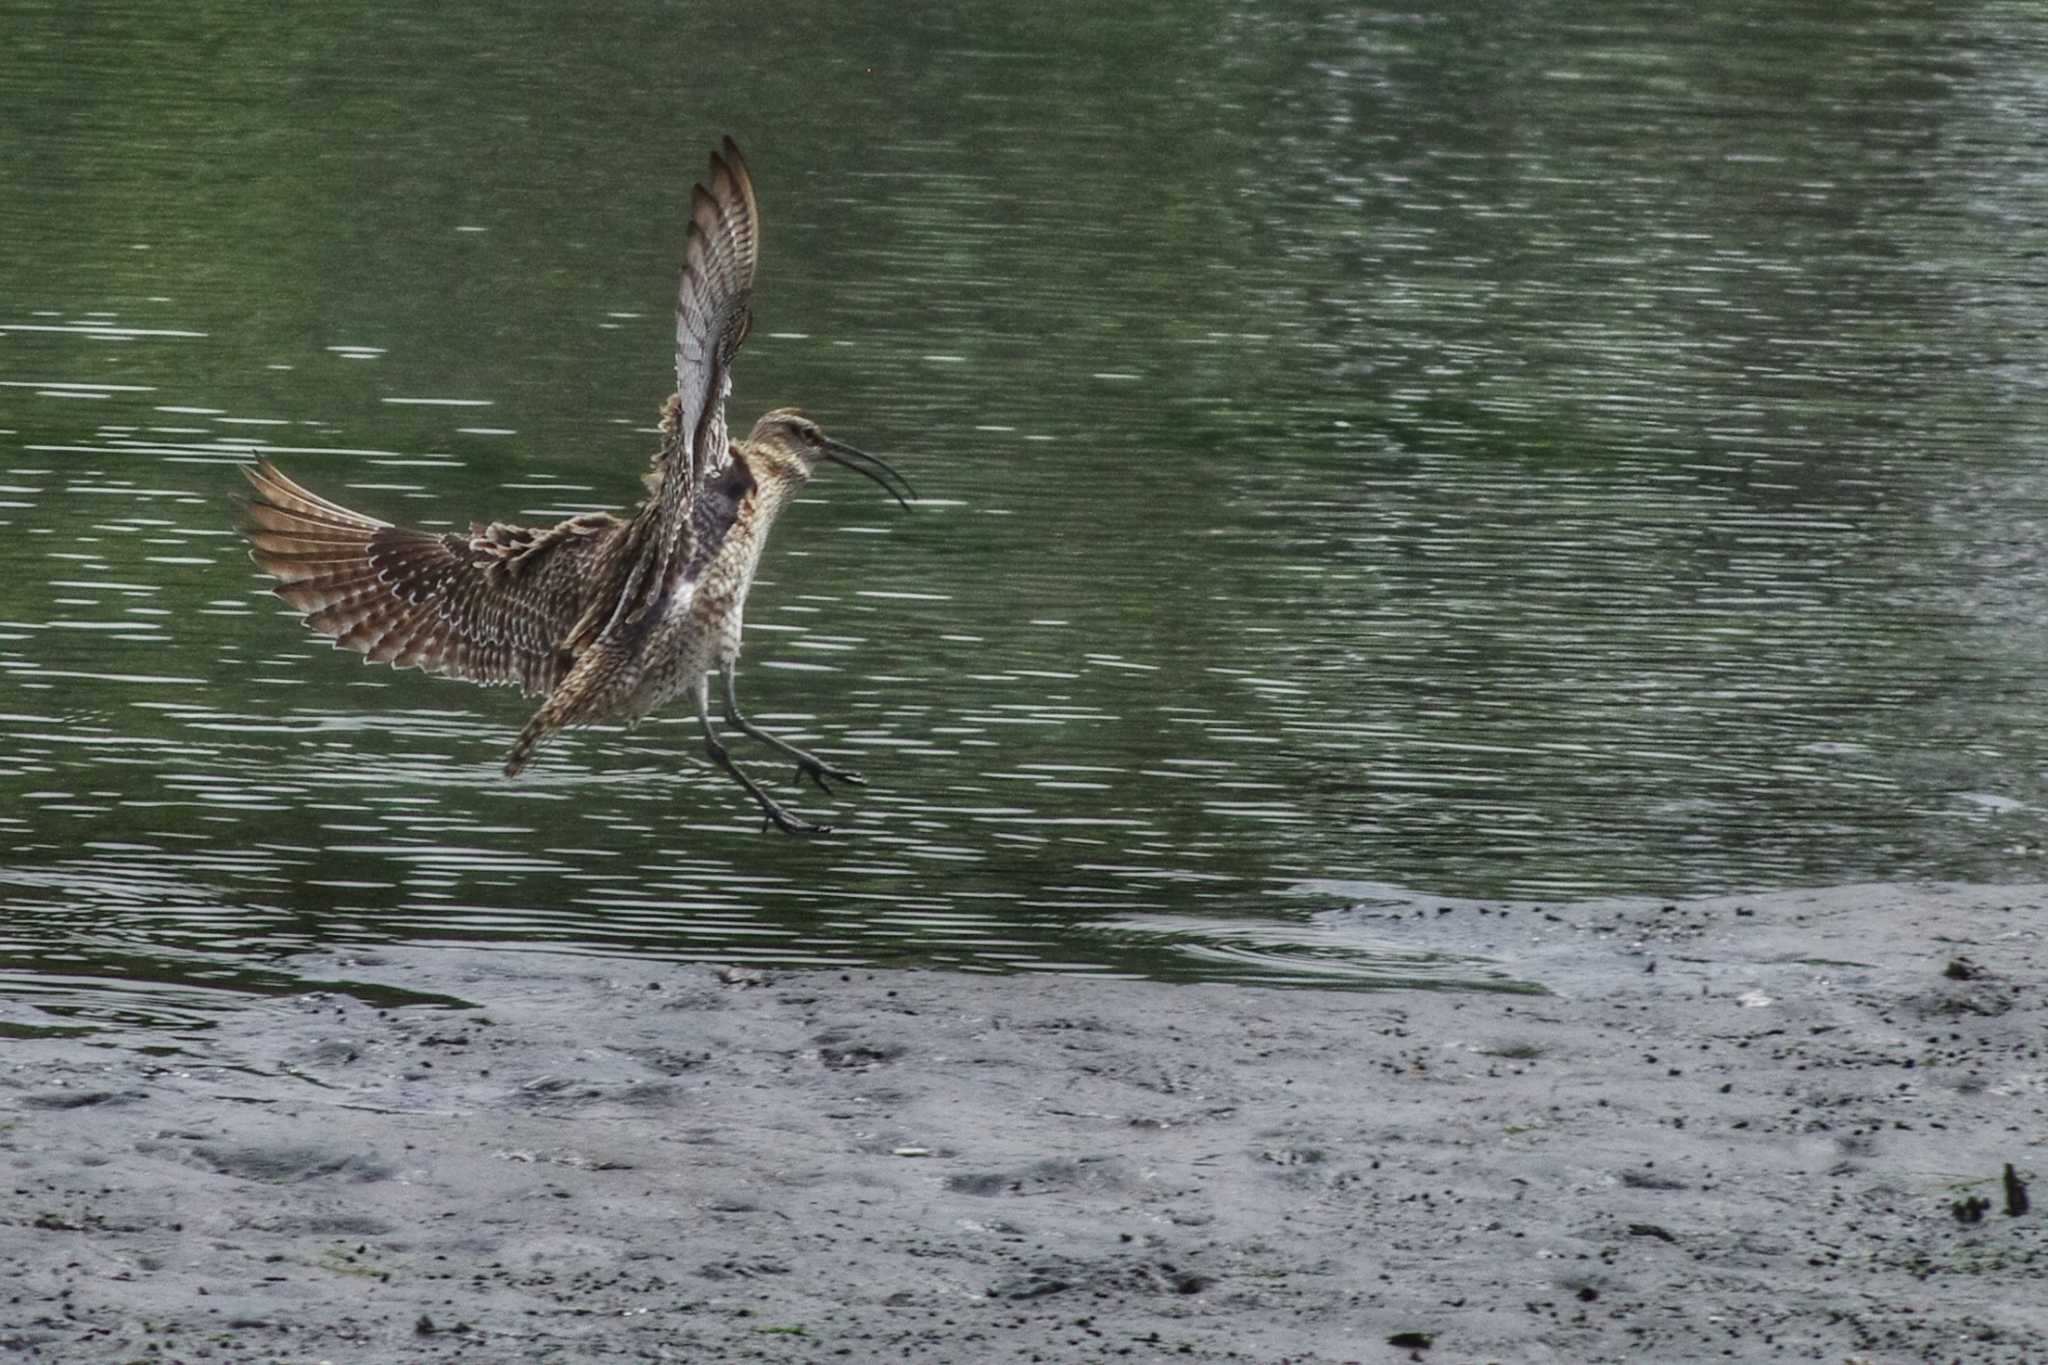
(818,770)
(776,815)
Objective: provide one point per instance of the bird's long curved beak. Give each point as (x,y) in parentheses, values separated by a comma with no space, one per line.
(874,467)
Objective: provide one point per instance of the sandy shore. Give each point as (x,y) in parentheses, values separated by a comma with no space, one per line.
(1741,1129)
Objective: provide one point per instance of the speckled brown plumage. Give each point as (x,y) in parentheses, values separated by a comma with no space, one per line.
(607,617)
(491,607)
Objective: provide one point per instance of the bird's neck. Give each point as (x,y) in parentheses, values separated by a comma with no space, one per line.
(775,479)
(762,489)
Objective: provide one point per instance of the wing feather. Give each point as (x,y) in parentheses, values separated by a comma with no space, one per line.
(713,317)
(493,606)
(713,314)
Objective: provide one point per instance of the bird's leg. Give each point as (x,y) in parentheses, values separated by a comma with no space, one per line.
(777,815)
(807,764)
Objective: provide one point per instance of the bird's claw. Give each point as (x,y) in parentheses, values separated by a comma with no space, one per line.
(776,817)
(818,772)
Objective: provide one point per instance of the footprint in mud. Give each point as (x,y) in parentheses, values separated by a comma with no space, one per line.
(290,1163)
(1089,1174)
(1143,1277)
(845,1050)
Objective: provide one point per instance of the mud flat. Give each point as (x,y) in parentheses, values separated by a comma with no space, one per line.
(1752,1128)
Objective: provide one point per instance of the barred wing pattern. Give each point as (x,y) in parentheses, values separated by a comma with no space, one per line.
(713,316)
(713,313)
(489,607)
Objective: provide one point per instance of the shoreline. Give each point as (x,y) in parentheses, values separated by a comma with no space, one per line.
(1735,1128)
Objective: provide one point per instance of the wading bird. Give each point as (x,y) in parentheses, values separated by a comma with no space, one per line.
(608,617)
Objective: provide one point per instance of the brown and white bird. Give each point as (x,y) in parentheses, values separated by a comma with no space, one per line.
(609,617)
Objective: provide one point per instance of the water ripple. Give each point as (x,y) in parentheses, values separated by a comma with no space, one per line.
(1330,483)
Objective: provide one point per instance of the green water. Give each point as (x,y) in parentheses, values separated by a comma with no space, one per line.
(1496,450)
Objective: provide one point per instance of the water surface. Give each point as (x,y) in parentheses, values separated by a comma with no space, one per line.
(1463,453)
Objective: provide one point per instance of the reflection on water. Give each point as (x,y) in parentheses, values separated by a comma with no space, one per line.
(1453,452)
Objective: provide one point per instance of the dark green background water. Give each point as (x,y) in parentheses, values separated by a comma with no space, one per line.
(1542,450)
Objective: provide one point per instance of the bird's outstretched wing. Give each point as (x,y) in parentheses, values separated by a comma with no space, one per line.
(492,606)
(713,315)
(647,580)
(713,312)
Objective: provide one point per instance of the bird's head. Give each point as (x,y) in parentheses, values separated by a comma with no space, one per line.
(793,444)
